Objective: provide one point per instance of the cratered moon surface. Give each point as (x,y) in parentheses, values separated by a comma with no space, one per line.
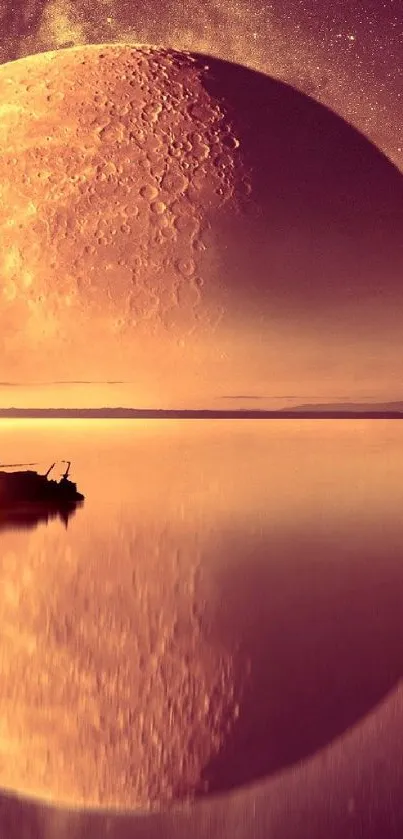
(189,225)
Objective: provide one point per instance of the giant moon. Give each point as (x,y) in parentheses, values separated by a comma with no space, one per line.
(193,227)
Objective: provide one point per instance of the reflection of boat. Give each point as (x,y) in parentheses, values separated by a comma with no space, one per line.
(29,515)
(21,489)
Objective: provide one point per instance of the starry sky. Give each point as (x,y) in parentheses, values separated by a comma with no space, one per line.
(345,54)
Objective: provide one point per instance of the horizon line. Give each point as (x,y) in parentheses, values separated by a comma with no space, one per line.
(391,410)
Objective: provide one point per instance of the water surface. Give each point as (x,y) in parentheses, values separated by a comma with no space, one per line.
(226,602)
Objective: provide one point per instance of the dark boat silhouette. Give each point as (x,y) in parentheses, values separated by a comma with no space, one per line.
(25,489)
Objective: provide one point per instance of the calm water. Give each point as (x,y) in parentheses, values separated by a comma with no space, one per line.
(230,591)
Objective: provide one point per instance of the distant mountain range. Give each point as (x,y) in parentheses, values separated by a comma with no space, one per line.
(385,407)
(344,410)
